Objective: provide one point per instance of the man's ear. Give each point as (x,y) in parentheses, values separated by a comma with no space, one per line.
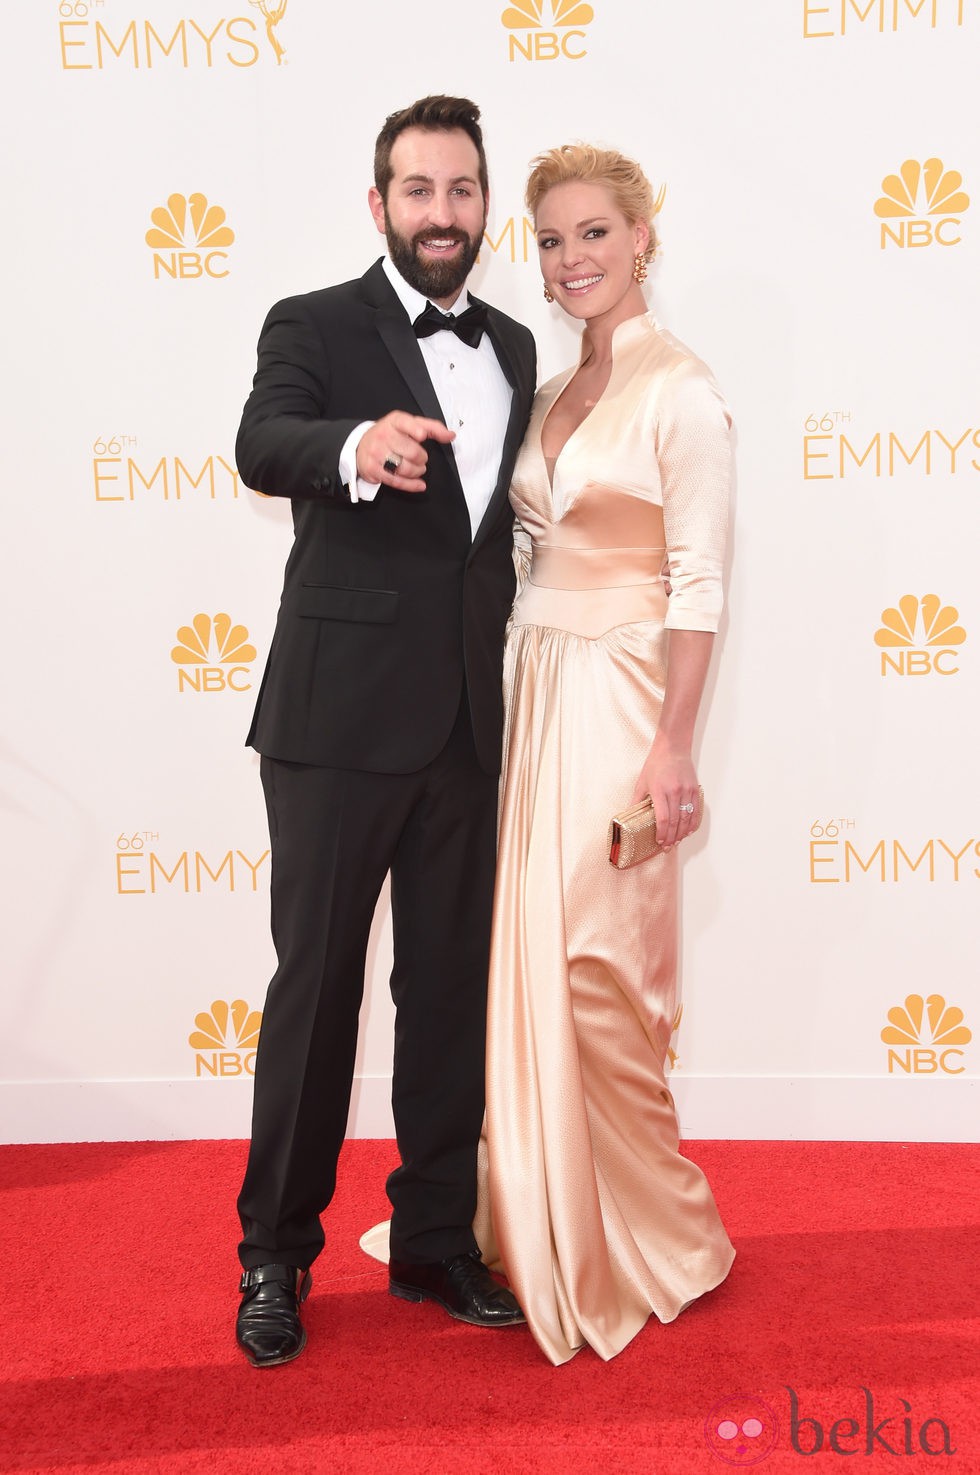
(377,207)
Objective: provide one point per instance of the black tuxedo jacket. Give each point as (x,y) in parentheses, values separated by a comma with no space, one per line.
(386,605)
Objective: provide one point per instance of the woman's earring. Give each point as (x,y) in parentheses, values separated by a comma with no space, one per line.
(547,296)
(640,268)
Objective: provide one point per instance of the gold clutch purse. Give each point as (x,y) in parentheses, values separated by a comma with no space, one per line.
(633,833)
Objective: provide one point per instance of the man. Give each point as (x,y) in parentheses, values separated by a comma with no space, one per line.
(379,721)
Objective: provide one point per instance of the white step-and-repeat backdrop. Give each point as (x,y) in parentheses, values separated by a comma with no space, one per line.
(171,168)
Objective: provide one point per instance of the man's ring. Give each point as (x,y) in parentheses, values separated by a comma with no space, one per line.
(391,463)
(687,808)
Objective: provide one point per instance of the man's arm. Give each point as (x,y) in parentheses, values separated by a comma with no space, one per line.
(288,447)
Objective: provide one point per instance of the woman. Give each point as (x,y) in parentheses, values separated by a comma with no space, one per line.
(623,480)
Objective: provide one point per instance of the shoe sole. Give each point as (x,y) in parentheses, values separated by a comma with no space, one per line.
(412,1293)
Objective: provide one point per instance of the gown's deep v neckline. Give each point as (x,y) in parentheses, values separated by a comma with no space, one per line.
(642,320)
(551,462)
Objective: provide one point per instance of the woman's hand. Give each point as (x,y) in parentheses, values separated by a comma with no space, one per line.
(669,778)
(668,774)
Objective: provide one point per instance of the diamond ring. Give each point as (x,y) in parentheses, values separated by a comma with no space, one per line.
(687,809)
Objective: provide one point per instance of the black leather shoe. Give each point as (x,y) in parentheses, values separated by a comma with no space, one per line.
(268,1329)
(463,1286)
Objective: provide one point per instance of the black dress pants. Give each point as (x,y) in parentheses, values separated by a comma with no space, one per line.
(335,834)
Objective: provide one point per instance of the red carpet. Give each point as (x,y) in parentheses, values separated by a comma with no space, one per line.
(858,1269)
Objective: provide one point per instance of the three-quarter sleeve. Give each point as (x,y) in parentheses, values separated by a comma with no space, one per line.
(694,452)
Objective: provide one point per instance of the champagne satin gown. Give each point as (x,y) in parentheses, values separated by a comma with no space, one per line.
(585,1201)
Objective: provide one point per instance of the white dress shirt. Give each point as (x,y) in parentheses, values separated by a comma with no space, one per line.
(475,397)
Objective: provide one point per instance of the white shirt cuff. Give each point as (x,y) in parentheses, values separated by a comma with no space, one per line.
(358,489)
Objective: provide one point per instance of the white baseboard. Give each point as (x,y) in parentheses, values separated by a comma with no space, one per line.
(159,1111)
(828,1108)
(763,1108)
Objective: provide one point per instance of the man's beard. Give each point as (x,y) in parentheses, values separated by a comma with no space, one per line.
(433,278)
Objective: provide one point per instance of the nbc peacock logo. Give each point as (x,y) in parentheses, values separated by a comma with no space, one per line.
(928,1033)
(547,30)
(919,637)
(212,654)
(921,205)
(187,238)
(226,1039)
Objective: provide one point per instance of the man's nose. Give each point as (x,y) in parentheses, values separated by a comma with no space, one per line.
(442,210)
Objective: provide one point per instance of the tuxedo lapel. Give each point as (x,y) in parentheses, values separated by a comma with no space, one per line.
(401,342)
(517,375)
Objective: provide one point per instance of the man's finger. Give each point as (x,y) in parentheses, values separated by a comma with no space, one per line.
(421,429)
(408,463)
(405,479)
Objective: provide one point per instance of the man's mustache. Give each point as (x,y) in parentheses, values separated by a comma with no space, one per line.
(440,235)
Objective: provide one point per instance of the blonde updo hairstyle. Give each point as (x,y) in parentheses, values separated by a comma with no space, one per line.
(623,177)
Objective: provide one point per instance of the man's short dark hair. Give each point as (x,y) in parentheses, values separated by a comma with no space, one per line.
(438,115)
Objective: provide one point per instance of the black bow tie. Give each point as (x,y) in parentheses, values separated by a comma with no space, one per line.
(469,326)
